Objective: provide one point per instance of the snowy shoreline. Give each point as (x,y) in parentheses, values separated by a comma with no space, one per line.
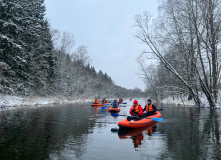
(184,101)
(176,101)
(12,102)
(9,102)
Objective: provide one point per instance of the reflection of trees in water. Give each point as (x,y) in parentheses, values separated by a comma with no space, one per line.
(191,133)
(37,133)
(210,136)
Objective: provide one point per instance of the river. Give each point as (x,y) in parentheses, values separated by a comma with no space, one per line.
(79,131)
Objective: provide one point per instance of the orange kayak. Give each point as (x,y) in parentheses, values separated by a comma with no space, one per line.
(140,123)
(99,104)
(114,109)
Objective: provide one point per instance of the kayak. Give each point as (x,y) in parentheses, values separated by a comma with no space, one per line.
(140,123)
(114,109)
(99,104)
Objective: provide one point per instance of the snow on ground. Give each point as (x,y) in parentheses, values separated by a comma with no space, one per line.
(177,101)
(12,102)
(185,101)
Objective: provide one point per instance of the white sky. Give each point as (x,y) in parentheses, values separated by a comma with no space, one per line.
(105,27)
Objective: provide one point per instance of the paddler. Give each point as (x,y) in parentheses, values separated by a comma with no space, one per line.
(104,101)
(136,110)
(149,108)
(114,104)
(96,101)
(121,100)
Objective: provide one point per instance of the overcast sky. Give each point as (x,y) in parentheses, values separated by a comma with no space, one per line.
(105,27)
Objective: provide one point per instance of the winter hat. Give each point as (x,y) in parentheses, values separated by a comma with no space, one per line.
(149,100)
(135,101)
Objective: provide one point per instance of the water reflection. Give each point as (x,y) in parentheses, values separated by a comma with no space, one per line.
(191,133)
(137,135)
(44,133)
(78,131)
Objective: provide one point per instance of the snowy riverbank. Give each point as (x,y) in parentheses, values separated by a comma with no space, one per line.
(185,101)
(8,102)
(12,102)
(177,101)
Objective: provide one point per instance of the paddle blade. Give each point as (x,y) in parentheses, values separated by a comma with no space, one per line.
(123,103)
(114,114)
(157,119)
(114,130)
(103,107)
(89,102)
(105,104)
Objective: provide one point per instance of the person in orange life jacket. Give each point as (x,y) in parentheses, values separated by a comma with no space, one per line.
(149,108)
(120,100)
(104,100)
(136,110)
(96,101)
(114,104)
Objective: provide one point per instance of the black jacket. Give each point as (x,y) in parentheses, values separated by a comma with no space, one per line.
(154,108)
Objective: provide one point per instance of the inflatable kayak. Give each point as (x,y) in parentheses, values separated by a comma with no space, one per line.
(114,109)
(99,104)
(140,123)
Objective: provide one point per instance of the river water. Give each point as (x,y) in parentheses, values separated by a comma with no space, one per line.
(79,131)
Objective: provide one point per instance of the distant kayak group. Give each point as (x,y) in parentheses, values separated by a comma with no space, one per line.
(114,104)
(139,117)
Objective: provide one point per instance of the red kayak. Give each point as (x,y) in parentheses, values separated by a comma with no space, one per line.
(140,123)
(114,109)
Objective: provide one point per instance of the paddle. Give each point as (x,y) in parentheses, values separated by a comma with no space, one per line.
(115,114)
(155,119)
(89,102)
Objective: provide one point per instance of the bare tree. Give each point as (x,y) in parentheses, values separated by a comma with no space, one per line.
(142,23)
(186,40)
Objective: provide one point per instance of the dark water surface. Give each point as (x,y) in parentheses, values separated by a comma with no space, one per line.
(78,131)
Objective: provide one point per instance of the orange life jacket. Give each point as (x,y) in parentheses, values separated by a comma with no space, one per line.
(96,101)
(104,101)
(136,109)
(115,104)
(149,108)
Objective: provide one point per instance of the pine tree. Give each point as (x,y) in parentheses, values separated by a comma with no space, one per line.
(26,47)
(12,52)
